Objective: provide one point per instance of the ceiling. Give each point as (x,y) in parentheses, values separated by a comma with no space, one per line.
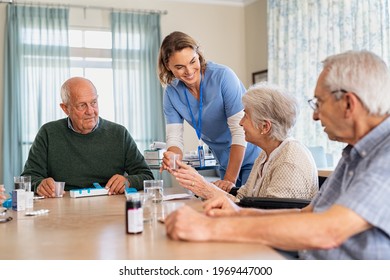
(214,2)
(221,2)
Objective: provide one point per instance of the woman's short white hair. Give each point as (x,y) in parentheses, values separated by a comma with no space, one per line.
(363,73)
(265,101)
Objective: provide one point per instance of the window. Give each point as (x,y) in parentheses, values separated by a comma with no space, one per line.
(38,60)
(90,54)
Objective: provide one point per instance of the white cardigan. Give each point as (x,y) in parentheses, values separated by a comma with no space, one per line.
(290,172)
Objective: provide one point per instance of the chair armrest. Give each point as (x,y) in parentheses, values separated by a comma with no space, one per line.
(234,190)
(273,203)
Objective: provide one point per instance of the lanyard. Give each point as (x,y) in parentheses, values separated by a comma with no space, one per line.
(198,126)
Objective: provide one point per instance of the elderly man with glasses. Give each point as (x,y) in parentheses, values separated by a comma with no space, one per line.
(83,148)
(350,217)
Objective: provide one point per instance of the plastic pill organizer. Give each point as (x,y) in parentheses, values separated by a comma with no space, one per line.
(97,190)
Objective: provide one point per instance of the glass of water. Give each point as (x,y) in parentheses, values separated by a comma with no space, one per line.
(22,182)
(154,189)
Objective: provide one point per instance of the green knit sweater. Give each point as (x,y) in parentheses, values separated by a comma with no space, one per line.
(80,160)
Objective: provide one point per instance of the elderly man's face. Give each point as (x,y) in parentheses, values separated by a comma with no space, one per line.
(330,111)
(82,108)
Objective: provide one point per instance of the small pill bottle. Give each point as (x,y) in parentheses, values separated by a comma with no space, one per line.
(134,214)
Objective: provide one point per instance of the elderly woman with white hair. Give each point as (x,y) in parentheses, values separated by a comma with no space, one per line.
(285,168)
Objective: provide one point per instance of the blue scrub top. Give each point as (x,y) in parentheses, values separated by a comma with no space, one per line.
(222,93)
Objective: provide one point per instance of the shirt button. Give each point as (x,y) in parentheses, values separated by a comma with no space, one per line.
(364,153)
(350,173)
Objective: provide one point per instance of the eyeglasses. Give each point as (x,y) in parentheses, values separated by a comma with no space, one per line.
(313,103)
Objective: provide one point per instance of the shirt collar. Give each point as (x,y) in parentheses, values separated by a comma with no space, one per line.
(72,128)
(373,139)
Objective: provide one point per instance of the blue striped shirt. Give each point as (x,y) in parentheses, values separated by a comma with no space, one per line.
(361,182)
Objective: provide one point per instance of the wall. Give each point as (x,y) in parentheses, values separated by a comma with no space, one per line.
(228,34)
(256,38)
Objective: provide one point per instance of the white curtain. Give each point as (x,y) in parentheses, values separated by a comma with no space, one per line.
(36,64)
(137,91)
(302,33)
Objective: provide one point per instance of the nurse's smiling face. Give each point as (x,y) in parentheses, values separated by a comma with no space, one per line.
(185,66)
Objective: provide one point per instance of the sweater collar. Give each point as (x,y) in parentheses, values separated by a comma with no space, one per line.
(70,126)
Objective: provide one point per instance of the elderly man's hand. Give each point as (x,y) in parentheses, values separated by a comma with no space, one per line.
(221,206)
(117,184)
(188,224)
(46,188)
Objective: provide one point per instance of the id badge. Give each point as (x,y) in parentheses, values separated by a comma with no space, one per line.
(201,156)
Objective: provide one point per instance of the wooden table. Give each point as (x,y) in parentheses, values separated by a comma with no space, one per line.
(93,228)
(325,172)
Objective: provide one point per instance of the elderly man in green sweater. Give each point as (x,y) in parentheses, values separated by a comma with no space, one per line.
(83,148)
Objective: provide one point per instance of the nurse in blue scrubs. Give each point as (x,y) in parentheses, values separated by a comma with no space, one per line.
(208,96)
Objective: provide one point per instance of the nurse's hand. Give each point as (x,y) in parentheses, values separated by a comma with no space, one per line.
(166,161)
(170,161)
(224,185)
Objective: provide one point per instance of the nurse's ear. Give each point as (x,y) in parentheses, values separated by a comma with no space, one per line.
(166,65)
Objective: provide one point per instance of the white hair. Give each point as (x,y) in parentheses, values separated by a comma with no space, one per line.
(363,73)
(66,88)
(266,101)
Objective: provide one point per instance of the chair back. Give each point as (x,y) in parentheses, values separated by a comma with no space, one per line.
(319,156)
